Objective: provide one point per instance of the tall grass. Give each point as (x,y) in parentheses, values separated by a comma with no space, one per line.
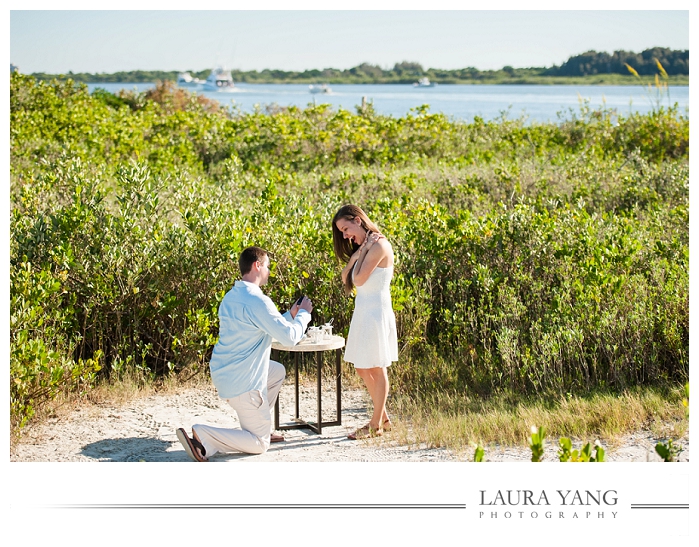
(458,421)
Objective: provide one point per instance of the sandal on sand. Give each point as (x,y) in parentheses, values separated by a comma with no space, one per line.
(387,425)
(276,438)
(192,447)
(364,433)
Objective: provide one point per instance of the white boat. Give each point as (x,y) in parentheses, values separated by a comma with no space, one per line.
(424,82)
(219,80)
(184,79)
(325,88)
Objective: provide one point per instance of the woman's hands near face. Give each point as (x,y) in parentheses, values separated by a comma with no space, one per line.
(371,238)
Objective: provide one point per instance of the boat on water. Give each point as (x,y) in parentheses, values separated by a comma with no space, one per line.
(325,88)
(424,82)
(220,79)
(184,79)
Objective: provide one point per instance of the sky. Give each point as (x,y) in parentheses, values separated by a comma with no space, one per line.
(110,41)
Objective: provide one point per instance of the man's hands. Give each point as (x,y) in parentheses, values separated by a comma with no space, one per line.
(305,304)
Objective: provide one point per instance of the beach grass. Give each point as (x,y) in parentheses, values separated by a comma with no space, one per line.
(457,422)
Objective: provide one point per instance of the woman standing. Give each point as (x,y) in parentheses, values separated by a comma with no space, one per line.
(372,342)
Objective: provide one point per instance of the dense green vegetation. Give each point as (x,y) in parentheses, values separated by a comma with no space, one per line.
(587,68)
(531,258)
(675,62)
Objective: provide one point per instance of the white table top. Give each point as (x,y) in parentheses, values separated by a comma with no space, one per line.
(336,342)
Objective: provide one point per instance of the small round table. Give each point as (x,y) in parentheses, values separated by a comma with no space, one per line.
(334,343)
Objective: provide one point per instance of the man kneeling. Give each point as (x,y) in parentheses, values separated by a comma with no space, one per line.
(241,369)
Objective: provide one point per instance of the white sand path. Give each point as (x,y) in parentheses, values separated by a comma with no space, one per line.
(144,430)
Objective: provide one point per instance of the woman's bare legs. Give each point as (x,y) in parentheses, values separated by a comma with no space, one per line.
(376,381)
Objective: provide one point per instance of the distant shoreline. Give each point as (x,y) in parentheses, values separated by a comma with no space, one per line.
(598,79)
(589,68)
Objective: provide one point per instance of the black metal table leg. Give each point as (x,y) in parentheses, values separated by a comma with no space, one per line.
(275,355)
(296,382)
(338,384)
(319,361)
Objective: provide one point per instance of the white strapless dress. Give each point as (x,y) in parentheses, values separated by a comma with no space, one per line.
(372,340)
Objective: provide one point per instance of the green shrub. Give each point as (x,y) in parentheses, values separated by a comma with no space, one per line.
(529,257)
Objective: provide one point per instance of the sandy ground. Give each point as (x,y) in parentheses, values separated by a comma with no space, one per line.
(144,430)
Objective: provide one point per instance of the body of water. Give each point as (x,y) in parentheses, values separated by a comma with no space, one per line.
(535,102)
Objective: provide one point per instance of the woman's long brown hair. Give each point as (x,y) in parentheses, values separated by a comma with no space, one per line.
(345,248)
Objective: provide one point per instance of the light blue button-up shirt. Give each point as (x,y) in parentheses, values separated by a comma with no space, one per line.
(248,321)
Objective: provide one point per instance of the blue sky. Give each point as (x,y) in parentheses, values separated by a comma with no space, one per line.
(109,41)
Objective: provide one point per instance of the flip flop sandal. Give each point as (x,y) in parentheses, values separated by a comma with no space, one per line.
(194,449)
(364,433)
(387,425)
(276,438)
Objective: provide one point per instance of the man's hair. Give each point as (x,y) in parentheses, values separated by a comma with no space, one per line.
(249,256)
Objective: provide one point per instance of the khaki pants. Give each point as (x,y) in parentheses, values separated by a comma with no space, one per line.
(255,415)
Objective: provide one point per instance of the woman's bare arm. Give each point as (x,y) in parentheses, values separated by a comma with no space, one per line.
(377,249)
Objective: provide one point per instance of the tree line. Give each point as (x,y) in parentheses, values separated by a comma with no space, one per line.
(675,62)
(645,63)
